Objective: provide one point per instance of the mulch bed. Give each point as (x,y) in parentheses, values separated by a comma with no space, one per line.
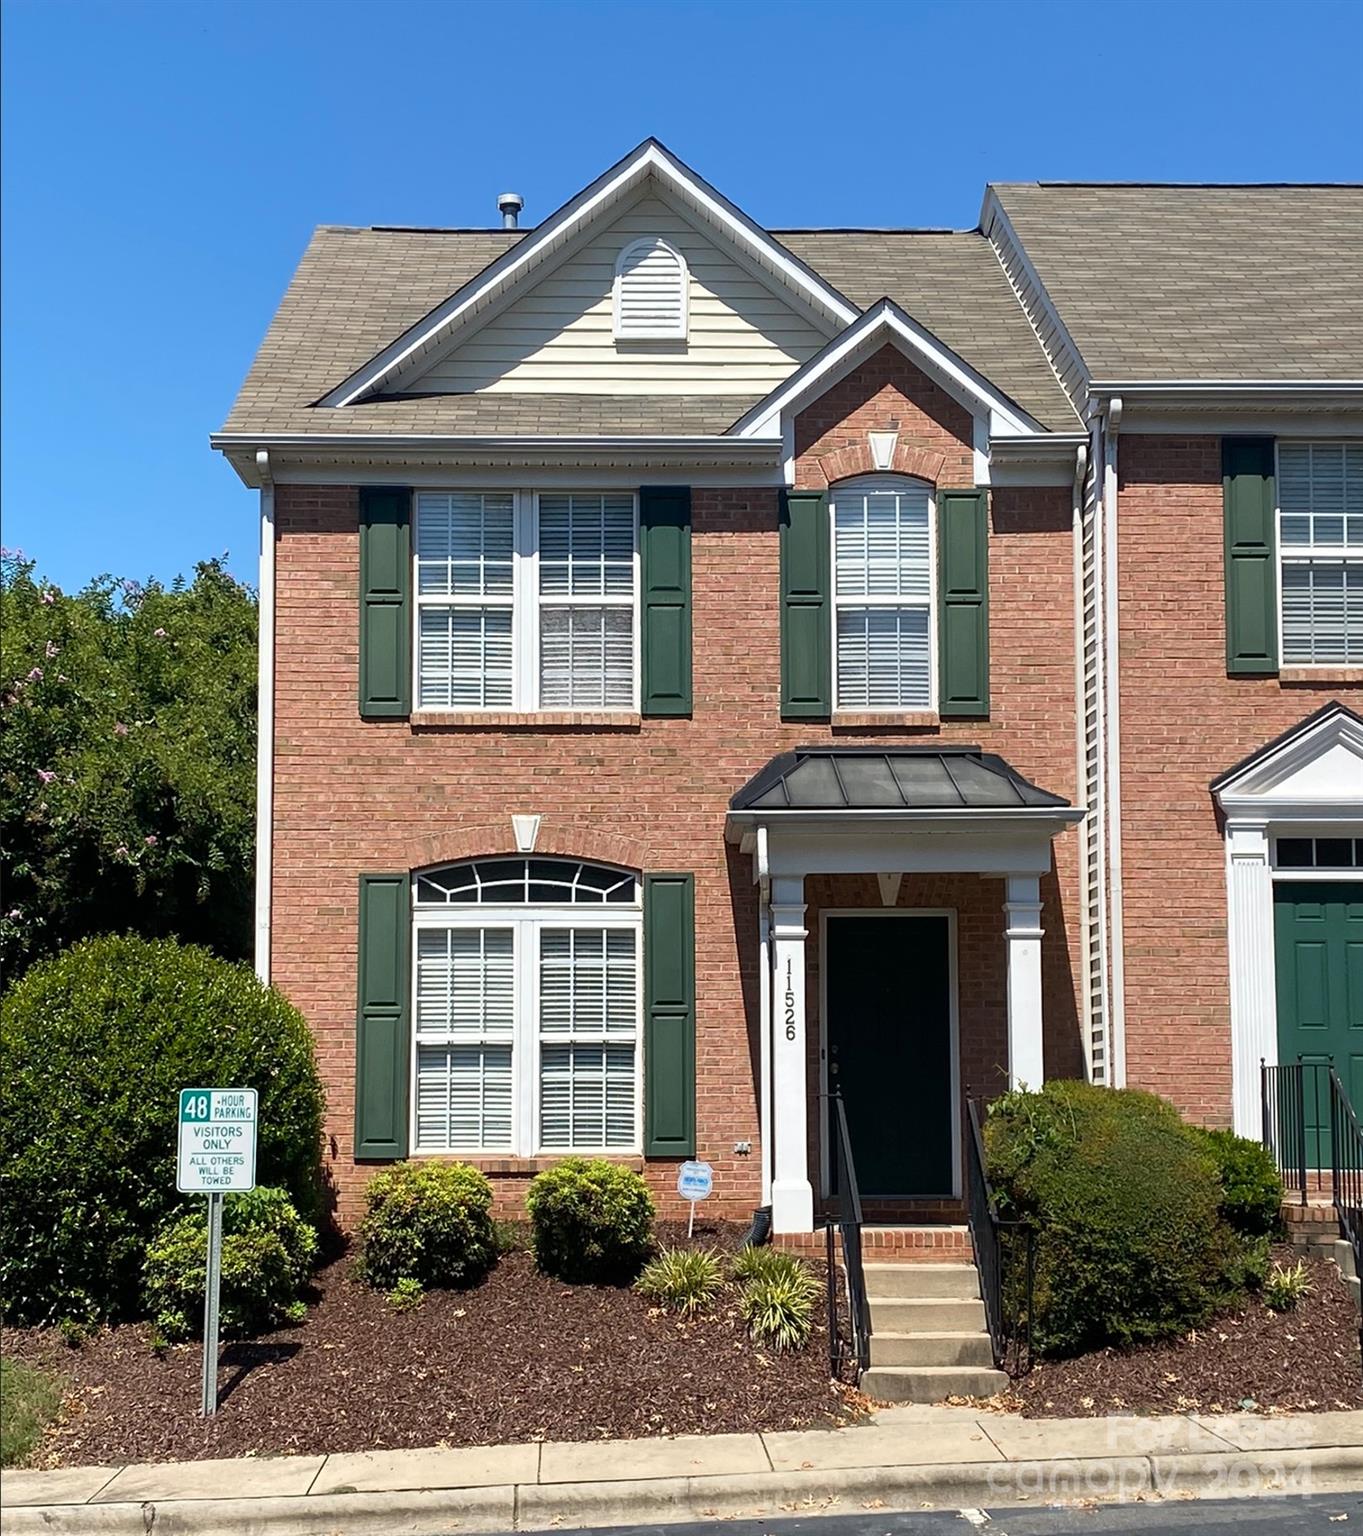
(518,1357)
(1249,1357)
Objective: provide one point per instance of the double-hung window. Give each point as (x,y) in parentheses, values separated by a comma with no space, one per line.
(527,1008)
(1320,551)
(884,590)
(526,600)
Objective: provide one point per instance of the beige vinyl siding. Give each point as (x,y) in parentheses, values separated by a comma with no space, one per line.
(1055,341)
(558,337)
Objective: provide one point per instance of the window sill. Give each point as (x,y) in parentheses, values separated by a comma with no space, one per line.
(509,720)
(526,1167)
(860,720)
(1323,677)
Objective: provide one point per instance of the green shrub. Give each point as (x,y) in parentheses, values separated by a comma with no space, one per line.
(29,1400)
(779,1307)
(1251,1189)
(407,1295)
(1286,1285)
(95,1046)
(590,1220)
(765,1264)
(267,1253)
(1129,1243)
(428,1223)
(685,1279)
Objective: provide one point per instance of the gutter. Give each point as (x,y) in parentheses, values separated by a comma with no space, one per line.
(434,442)
(1023,815)
(265,649)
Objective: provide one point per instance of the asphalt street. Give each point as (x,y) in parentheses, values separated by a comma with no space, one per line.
(1294,1515)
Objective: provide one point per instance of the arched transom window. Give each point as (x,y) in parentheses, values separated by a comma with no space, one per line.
(884,591)
(650,292)
(527,1007)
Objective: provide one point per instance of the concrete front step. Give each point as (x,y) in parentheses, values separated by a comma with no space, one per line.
(906,1282)
(927,1315)
(930,1383)
(971,1349)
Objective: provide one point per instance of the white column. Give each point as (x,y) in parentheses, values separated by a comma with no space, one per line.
(1023,934)
(792,1199)
(1253,979)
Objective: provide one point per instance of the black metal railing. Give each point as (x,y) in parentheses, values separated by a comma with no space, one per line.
(850,1345)
(1346,1168)
(1005,1255)
(1299,1122)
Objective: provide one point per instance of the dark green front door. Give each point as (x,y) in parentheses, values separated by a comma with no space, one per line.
(887,999)
(1318,950)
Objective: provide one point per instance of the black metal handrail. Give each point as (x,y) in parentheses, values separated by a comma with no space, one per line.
(1005,1255)
(1296,1099)
(1346,1168)
(853,1345)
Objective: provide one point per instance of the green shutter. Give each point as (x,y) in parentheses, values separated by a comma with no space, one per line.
(806,618)
(1251,555)
(382,1064)
(669,1015)
(665,563)
(385,601)
(963,545)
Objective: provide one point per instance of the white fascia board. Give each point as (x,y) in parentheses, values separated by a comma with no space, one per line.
(1284,387)
(886,321)
(436,442)
(1252,788)
(971,816)
(650,158)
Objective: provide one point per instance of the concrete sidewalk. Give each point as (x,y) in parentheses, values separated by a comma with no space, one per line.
(904,1458)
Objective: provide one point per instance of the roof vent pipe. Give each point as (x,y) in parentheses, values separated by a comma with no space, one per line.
(509,205)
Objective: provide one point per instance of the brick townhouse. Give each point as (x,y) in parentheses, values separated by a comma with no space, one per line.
(704,667)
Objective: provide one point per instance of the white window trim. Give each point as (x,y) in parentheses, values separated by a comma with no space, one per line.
(850,601)
(525,603)
(1324,554)
(678,332)
(526,923)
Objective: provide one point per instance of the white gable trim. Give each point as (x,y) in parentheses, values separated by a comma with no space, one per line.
(995,415)
(1314,773)
(565,226)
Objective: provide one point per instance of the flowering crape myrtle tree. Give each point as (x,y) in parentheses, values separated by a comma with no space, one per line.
(127,761)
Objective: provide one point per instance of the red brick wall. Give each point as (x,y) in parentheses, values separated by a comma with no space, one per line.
(1183,722)
(354,795)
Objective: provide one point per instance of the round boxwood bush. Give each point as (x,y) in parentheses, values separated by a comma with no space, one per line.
(1129,1242)
(1251,1189)
(590,1220)
(427,1225)
(267,1253)
(95,1046)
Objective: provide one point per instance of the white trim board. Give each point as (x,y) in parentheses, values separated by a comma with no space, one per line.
(955,1025)
(409,351)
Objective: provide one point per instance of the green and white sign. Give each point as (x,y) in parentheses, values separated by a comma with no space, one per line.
(217,1147)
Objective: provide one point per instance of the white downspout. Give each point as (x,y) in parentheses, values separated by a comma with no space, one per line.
(1081,458)
(265,720)
(766,1116)
(1116,950)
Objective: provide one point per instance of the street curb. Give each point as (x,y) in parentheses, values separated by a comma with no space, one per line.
(544,1506)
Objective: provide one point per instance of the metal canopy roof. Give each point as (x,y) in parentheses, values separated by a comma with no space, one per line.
(937,778)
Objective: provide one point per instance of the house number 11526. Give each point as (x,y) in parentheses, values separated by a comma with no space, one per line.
(790,1004)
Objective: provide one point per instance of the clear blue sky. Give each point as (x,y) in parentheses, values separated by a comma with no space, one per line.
(164,164)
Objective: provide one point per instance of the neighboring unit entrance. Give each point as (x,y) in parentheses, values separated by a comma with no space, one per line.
(887,989)
(1318,930)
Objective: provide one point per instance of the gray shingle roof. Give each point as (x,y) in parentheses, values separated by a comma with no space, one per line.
(901,779)
(1201,282)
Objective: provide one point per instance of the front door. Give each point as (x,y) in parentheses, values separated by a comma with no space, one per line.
(887,1031)
(1318,951)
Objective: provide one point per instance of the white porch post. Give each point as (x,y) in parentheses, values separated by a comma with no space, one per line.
(1253,979)
(1023,910)
(792,1199)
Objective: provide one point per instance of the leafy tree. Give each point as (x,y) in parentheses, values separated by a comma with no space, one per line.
(127,760)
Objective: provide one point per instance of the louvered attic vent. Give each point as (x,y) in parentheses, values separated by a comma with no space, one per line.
(650,292)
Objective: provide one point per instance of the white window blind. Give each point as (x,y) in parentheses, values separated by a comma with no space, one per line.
(465,599)
(465,1038)
(586,569)
(883,594)
(527,1019)
(1320,548)
(650,292)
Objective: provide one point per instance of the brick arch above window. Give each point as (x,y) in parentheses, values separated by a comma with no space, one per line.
(495,840)
(856,459)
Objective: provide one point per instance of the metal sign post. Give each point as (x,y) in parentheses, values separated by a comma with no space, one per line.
(694,1182)
(217,1155)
